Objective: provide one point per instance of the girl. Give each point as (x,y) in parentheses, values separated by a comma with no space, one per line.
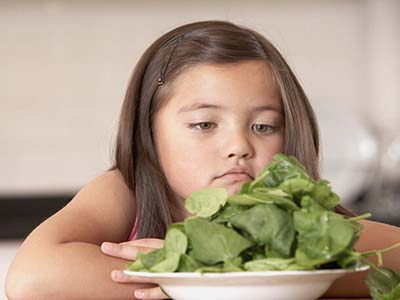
(208,105)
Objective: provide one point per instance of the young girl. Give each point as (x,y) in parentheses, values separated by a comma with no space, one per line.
(208,105)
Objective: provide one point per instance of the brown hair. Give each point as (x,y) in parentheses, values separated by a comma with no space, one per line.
(211,42)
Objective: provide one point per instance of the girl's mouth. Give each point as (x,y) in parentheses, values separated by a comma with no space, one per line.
(236,177)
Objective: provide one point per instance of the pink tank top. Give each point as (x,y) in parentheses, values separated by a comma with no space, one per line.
(134,232)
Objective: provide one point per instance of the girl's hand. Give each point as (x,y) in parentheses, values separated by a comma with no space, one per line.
(129,251)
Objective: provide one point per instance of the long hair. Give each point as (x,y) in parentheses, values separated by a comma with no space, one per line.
(210,42)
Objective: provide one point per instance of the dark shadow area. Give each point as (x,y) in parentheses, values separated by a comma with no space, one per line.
(19,215)
(382,203)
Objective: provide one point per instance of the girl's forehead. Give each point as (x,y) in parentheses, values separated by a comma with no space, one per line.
(249,82)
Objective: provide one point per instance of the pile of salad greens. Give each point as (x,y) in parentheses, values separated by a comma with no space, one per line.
(282,220)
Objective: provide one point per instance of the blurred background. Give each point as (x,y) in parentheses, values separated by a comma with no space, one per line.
(65,65)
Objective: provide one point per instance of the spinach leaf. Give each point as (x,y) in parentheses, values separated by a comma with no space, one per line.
(264,195)
(322,193)
(228,212)
(169,264)
(217,268)
(233,265)
(145,261)
(213,242)
(175,242)
(206,202)
(275,196)
(178,225)
(383,283)
(259,181)
(349,259)
(188,264)
(268,225)
(297,187)
(269,264)
(166,259)
(283,169)
(245,200)
(136,266)
(322,235)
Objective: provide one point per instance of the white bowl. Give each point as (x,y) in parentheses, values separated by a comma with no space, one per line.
(270,285)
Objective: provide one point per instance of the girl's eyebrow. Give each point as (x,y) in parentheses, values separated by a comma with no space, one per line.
(202,105)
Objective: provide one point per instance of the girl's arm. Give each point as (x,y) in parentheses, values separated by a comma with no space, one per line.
(61,258)
(374,236)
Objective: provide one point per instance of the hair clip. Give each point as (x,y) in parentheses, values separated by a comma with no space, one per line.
(160,79)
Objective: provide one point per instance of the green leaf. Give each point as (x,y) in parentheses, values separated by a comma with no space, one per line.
(270,225)
(275,196)
(188,264)
(175,242)
(228,212)
(206,202)
(148,260)
(136,266)
(212,242)
(264,195)
(259,181)
(349,260)
(178,225)
(218,268)
(233,265)
(284,168)
(169,264)
(269,264)
(322,235)
(309,205)
(244,200)
(395,293)
(297,187)
(383,283)
(323,194)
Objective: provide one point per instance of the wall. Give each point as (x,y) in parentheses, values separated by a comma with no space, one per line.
(66,64)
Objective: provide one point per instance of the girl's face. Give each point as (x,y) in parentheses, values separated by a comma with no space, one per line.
(219,117)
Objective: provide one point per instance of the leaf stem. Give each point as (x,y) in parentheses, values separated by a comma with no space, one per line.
(374,252)
(380,259)
(361,217)
(379,253)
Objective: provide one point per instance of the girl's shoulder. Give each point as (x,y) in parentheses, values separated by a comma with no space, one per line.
(110,181)
(109,188)
(103,210)
(109,199)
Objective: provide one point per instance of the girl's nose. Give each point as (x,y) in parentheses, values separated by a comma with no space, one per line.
(238,145)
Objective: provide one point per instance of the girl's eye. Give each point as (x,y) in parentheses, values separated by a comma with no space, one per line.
(259,128)
(202,125)
(263,128)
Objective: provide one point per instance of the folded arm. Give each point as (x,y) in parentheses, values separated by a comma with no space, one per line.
(61,258)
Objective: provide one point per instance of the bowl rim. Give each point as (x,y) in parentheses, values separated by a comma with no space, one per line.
(244,274)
